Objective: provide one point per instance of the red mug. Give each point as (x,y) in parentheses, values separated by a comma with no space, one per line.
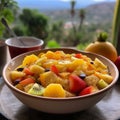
(23,44)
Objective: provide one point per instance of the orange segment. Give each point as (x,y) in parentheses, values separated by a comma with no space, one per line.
(54,90)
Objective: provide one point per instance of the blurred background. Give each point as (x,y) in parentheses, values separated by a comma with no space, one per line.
(59,23)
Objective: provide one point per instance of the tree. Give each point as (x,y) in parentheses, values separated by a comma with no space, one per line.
(82,17)
(7,9)
(76,31)
(35,22)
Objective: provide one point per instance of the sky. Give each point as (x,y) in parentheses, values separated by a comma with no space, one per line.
(48,4)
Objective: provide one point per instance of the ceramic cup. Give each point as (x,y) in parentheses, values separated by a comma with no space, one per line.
(3,55)
(23,44)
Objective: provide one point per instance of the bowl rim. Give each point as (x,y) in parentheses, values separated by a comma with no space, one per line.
(28,37)
(60,99)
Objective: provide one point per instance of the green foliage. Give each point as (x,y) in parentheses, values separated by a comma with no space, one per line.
(35,23)
(20,30)
(56,31)
(52,44)
(6,11)
(82,46)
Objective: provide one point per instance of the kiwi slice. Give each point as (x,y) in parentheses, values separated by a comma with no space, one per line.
(28,87)
(36,89)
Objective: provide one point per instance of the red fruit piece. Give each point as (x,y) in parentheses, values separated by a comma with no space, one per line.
(26,81)
(76,84)
(78,55)
(87,90)
(27,71)
(117,63)
(54,69)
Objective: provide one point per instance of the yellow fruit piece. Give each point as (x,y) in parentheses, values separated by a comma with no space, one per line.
(30,59)
(102,84)
(36,69)
(50,55)
(77,63)
(54,90)
(99,63)
(16,74)
(47,78)
(107,78)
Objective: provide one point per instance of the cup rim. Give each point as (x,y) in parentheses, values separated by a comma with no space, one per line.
(39,44)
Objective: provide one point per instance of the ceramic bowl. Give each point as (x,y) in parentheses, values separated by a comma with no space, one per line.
(59,105)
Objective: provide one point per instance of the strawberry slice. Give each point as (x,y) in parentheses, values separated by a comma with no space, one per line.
(76,84)
(78,55)
(54,69)
(27,71)
(87,90)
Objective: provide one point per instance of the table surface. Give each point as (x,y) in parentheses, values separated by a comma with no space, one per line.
(107,109)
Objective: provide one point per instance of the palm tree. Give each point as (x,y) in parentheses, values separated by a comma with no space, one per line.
(73,2)
(72,11)
(82,17)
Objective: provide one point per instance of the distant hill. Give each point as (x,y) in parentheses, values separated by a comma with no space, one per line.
(101,12)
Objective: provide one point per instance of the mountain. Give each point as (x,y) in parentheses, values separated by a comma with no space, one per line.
(101,12)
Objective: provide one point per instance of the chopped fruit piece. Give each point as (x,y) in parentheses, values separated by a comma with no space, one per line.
(76,84)
(107,78)
(27,81)
(20,87)
(99,63)
(87,90)
(36,89)
(30,59)
(16,75)
(54,90)
(102,84)
(78,55)
(27,87)
(36,69)
(27,71)
(54,69)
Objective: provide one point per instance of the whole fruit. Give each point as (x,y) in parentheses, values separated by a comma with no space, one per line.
(103,47)
(117,63)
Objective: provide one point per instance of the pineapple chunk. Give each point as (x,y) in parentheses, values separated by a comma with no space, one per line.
(16,74)
(92,80)
(107,78)
(47,78)
(99,63)
(36,69)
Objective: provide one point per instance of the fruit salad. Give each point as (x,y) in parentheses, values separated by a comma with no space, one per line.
(58,74)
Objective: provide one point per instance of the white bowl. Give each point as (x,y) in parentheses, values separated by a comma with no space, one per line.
(59,105)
